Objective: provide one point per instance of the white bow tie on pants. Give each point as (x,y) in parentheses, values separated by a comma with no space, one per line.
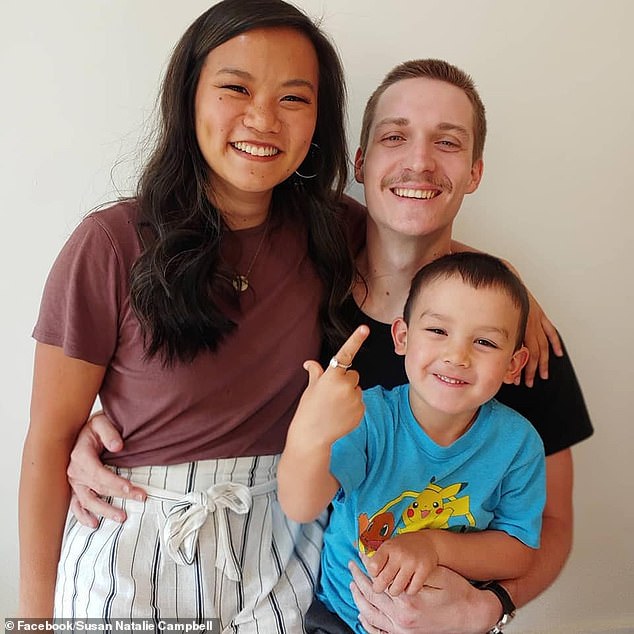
(189,512)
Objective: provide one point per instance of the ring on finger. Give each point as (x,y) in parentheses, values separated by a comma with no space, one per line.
(335,363)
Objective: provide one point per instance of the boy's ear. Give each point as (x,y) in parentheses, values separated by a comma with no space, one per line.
(516,364)
(358,165)
(399,335)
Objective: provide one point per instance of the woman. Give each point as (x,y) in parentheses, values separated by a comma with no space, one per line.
(227,268)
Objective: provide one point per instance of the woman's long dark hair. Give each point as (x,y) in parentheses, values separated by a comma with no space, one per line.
(176,282)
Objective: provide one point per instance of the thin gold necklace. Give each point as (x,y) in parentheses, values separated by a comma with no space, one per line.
(241,282)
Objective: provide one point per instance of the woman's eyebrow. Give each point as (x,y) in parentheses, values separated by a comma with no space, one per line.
(243,74)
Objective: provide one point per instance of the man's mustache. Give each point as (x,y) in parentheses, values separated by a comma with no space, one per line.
(409,177)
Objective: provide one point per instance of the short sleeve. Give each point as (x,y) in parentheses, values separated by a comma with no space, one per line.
(554,406)
(523,493)
(80,305)
(348,458)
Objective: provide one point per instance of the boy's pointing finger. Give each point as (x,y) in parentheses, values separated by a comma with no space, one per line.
(343,358)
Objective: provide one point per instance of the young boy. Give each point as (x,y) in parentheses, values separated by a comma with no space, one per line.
(436,453)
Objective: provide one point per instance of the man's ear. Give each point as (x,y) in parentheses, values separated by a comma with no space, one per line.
(358,165)
(476,175)
(399,336)
(517,362)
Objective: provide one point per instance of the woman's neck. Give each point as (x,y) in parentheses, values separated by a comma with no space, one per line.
(243,212)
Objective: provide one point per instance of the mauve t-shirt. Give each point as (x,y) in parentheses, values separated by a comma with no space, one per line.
(237,401)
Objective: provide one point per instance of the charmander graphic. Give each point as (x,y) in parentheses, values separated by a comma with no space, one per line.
(373,532)
(431,508)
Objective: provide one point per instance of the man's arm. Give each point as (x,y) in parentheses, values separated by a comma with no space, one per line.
(449,604)
(556,536)
(89,479)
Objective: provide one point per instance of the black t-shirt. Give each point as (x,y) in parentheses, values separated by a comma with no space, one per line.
(555,406)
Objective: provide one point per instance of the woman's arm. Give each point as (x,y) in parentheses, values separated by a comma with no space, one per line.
(64,390)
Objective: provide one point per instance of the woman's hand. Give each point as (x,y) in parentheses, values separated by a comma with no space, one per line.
(89,479)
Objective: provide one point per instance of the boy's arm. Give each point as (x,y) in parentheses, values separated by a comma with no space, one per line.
(450,604)
(330,407)
(404,562)
(305,484)
(482,555)
(501,551)
(63,392)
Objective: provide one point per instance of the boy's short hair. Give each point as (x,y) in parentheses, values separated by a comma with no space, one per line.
(478,270)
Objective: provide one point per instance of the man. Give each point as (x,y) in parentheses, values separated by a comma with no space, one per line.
(420,153)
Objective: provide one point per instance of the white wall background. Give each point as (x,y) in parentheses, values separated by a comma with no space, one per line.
(79,78)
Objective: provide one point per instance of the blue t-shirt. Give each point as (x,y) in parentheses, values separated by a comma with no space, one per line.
(394,478)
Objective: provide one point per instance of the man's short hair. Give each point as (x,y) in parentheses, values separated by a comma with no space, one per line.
(430,69)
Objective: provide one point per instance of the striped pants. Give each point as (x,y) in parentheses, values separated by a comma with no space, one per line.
(210,541)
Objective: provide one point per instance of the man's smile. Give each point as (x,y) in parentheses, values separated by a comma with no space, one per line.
(404,192)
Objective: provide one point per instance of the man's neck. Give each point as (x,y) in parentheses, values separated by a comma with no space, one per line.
(387,264)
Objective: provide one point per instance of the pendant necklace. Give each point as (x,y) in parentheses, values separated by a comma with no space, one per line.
(241,282)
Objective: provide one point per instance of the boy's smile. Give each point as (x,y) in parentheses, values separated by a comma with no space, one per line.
(459,348)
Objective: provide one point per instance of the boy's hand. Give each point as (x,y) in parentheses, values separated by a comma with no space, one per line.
(331,405)
(403,563)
